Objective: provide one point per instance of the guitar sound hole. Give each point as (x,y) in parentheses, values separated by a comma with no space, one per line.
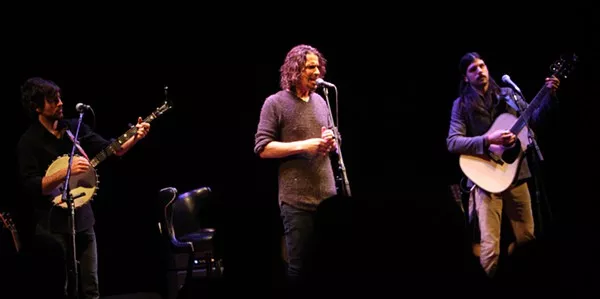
(510,154)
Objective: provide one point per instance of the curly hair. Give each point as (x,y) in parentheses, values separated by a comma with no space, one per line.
(294,65)
(33,93)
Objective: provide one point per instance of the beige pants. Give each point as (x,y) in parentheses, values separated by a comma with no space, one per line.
(516,202)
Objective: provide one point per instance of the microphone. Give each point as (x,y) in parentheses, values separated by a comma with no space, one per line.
(80,107)
(506,79)
(323,82)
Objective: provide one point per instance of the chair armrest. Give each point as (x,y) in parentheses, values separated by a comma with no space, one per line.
(182,245)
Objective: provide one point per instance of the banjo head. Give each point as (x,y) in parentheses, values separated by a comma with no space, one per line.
(83,186)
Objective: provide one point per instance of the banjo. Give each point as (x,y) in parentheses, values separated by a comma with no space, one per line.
(83,186)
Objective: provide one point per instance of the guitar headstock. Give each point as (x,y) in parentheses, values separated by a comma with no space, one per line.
(162,109)
(158,112)
(564,66)
(166,106)
(7,221)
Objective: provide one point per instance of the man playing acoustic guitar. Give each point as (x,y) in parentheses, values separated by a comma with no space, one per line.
(479,104)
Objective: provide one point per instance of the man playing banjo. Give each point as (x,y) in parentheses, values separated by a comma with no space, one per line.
(49,137)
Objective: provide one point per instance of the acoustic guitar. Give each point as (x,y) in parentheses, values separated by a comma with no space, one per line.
(496,171)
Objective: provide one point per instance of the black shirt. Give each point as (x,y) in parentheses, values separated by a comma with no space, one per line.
(36,150)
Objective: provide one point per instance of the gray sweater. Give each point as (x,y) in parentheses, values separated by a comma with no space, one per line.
(304,182)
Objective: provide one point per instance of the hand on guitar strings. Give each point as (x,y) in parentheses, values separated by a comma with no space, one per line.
(142,129)
(502,137)
(79,165)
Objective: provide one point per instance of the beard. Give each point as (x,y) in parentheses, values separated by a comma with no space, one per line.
(58,115)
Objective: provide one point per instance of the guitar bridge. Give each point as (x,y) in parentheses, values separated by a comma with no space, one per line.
(496,158)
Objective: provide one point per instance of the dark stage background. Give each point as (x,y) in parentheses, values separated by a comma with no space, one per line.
(395,94)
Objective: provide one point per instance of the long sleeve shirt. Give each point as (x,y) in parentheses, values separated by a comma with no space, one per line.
(36,150)
(304,182)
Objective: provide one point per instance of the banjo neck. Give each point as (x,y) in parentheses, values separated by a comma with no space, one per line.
(114,146)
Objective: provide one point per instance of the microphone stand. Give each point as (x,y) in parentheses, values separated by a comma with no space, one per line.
(72,278)
(537,159)
(341,177)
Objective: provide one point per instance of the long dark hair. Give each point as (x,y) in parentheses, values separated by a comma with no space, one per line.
(466,93)
(33,93)
(294,64)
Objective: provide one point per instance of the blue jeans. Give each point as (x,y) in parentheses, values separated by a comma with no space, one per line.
(298,228)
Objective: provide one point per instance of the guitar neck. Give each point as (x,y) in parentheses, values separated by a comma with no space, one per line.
(524,118)
(8,223)
(114,146)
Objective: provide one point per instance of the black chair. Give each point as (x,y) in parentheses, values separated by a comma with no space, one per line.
(190,242)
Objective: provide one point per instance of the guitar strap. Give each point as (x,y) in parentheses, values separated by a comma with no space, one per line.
(506,96)
(77,144)
(512,103)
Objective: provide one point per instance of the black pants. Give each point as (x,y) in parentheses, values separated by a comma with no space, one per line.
(50,256)
(299,240)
